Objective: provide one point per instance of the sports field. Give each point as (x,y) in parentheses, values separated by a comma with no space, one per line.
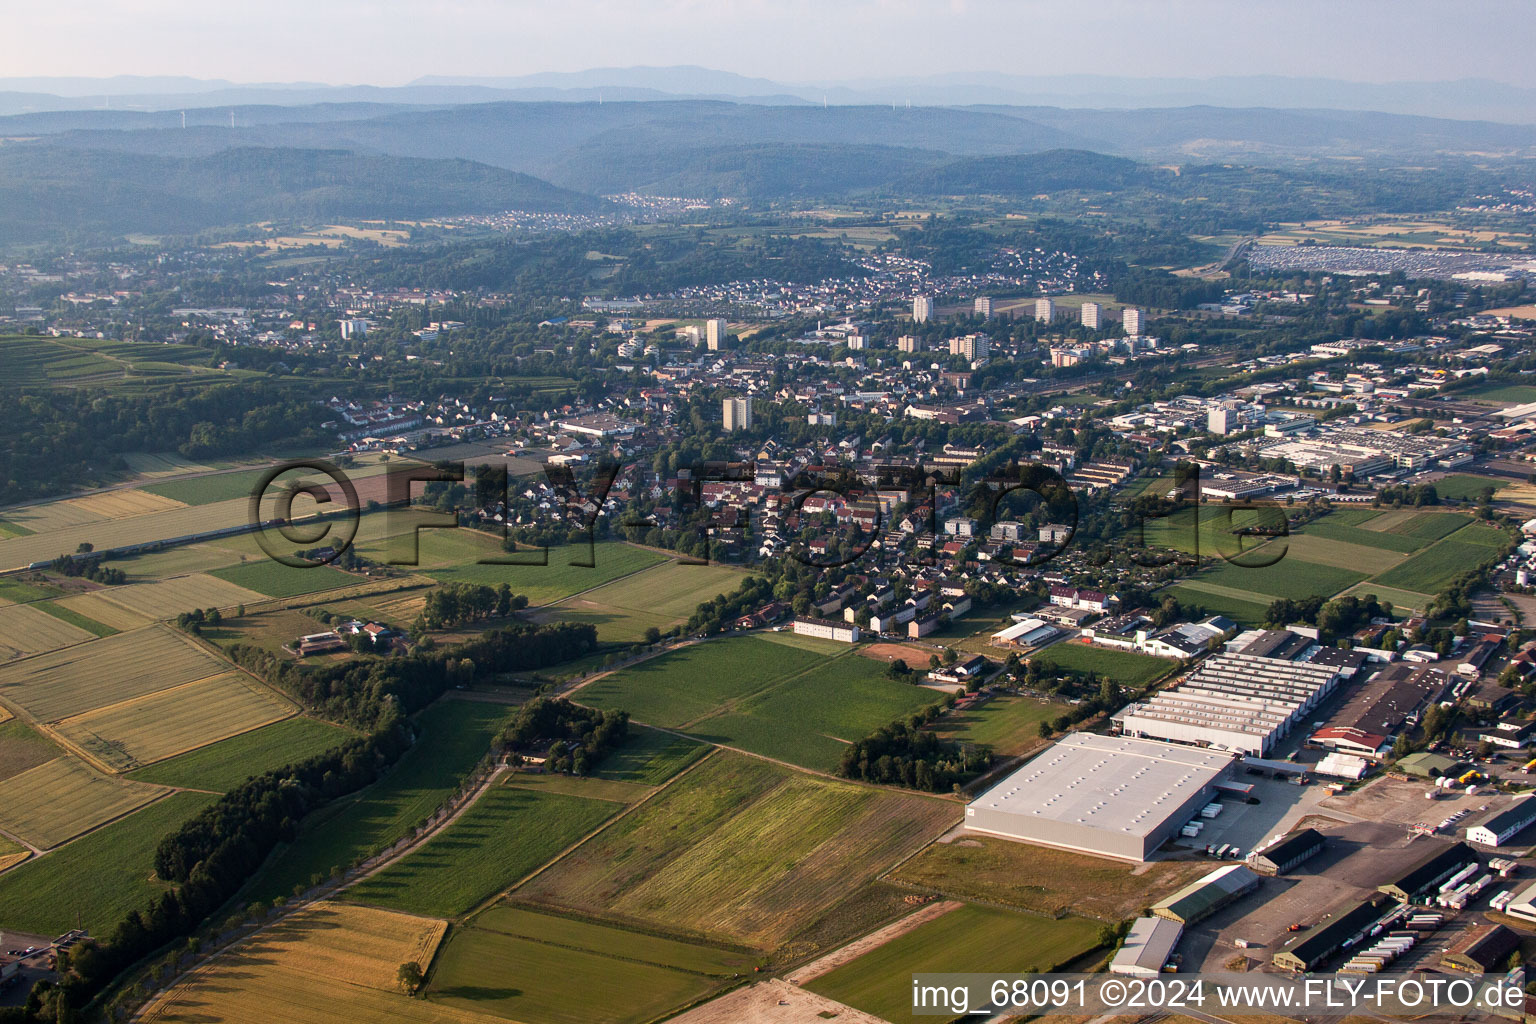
(327,963)
(455,735)
(559,579)
(224,765)
(1009,725)
(967,939)
(740,850)
(539,969)
(97,879)
(52,687)
(275,579)
(166,599)
(59,799)
(504,836)
(662,597)
(147,729)
(1126,668)
(26,630)
(1044,880)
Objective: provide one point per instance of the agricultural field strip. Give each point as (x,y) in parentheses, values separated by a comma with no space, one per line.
(730,705)
(614,953)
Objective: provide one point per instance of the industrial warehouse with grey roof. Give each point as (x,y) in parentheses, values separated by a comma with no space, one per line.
(1115,796)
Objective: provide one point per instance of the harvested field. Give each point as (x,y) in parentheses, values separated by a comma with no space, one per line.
(661,597)
(166,599)
(96,605)
(56,801)
(169,722)
(120,504)
(23,748)
(740,850)
(320,965)
(224,765)
(157,464)
(1306,547)
(25,631)
(52,687)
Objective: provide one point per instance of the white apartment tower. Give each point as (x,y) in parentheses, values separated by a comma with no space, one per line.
(922,309)
(714,334)
(1090,314)
(1131,318)
(737,414)
(973,346)
(983,307)
(1045,310)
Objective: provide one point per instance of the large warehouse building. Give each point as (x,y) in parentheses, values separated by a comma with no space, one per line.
(1237,702)
(1114,796)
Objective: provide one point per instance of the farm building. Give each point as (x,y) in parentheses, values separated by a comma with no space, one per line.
(1504,825)
(1324,941)
(1147,947)
(827,629)
(1429,872)
(1206,895)
(1278,858)
(1113,796)
(1234,702)
(1483,950)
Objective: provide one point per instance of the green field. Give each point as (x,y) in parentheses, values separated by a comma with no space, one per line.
(1215,535)
(1125,667)
(559,579)
(1330,528)
(1421,526)
(22,747)
(94,882)
(1401,600)
(278,580)
(1009,725)
(968,939)
(224,765)
(205,490)
(748,692)
(740,850)
(1465,487)
(17,592)
(694,681)
(454,736)
(1430,570)
(661,597)
(575,933)
(504,836)
(650,757)
(1241,610)
(1291,578)
(535,981)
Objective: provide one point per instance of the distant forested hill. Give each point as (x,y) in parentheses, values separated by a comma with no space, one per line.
(50,192)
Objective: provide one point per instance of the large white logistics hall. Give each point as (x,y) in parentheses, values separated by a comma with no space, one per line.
(1114,796)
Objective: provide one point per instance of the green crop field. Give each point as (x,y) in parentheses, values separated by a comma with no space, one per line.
(1429,571)
(1518,394)
(1421,526)
(51,687)
(1330,528)
(574,933)
(205,490)
(504,836)
(1215,534)
(455,735)
(20,592)
(662,597)
(1286,578)
(1401,600)
(968,939)
(224,765)
(1244,610)
(1465,487)
(1125,667)
(559,579)
(1009,725)
(697,680)
(1304,550)
(650,757)
(740,850)
(52,803)
(538,982)
(809,718)
(95,881)
(278,580)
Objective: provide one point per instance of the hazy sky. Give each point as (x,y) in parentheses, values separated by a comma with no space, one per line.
(389,42)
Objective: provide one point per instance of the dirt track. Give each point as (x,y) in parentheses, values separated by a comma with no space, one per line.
(773,1002)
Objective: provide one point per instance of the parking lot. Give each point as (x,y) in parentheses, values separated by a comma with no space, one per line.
(1245,825)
